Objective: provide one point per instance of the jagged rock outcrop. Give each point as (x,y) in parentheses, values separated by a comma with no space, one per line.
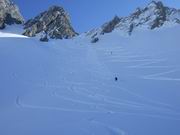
(94,40)
(55,22)
(9,14)
(154,15)
(109,27)
(44,37)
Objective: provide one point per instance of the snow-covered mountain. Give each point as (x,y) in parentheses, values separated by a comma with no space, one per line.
(154,15)
(122,85)
(9,14)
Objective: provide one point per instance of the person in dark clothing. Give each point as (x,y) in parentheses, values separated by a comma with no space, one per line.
(116,79)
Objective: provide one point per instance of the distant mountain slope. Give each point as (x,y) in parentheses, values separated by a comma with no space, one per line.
(154,15)
(53,23)
(9,14)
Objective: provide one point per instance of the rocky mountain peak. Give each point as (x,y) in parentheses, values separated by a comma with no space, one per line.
(155,4)
(9,14)
(53,23)
(154,15)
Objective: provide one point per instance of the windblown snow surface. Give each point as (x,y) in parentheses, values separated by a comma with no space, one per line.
(67,87)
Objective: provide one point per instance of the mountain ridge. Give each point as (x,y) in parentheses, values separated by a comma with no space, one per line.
(55,23)
(154,15)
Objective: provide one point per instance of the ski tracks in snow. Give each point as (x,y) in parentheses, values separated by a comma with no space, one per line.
(98,102)
(131,60)
(95,94)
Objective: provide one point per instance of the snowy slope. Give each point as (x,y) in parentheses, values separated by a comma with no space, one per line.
(11,35)
(67,87)
(14,31)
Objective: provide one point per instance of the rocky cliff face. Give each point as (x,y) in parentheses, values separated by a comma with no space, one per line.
(9,14)
(110,26)
(53,23)
(154,15)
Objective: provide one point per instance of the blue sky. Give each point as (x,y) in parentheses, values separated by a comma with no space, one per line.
(87,14)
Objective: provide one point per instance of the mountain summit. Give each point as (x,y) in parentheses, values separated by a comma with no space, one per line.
(53,23)
(154,15)
(9,14)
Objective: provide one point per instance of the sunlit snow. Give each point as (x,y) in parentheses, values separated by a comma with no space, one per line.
(68,87)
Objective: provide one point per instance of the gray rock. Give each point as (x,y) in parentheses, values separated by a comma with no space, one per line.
(9,14)
(94,40)
(55,22)
(44,37)
(109,27)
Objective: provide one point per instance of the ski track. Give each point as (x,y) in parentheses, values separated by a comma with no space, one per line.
(113,104)
(149,65)
(159,76)
(19,104)
(162,78)
(97,97)
(79,86)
